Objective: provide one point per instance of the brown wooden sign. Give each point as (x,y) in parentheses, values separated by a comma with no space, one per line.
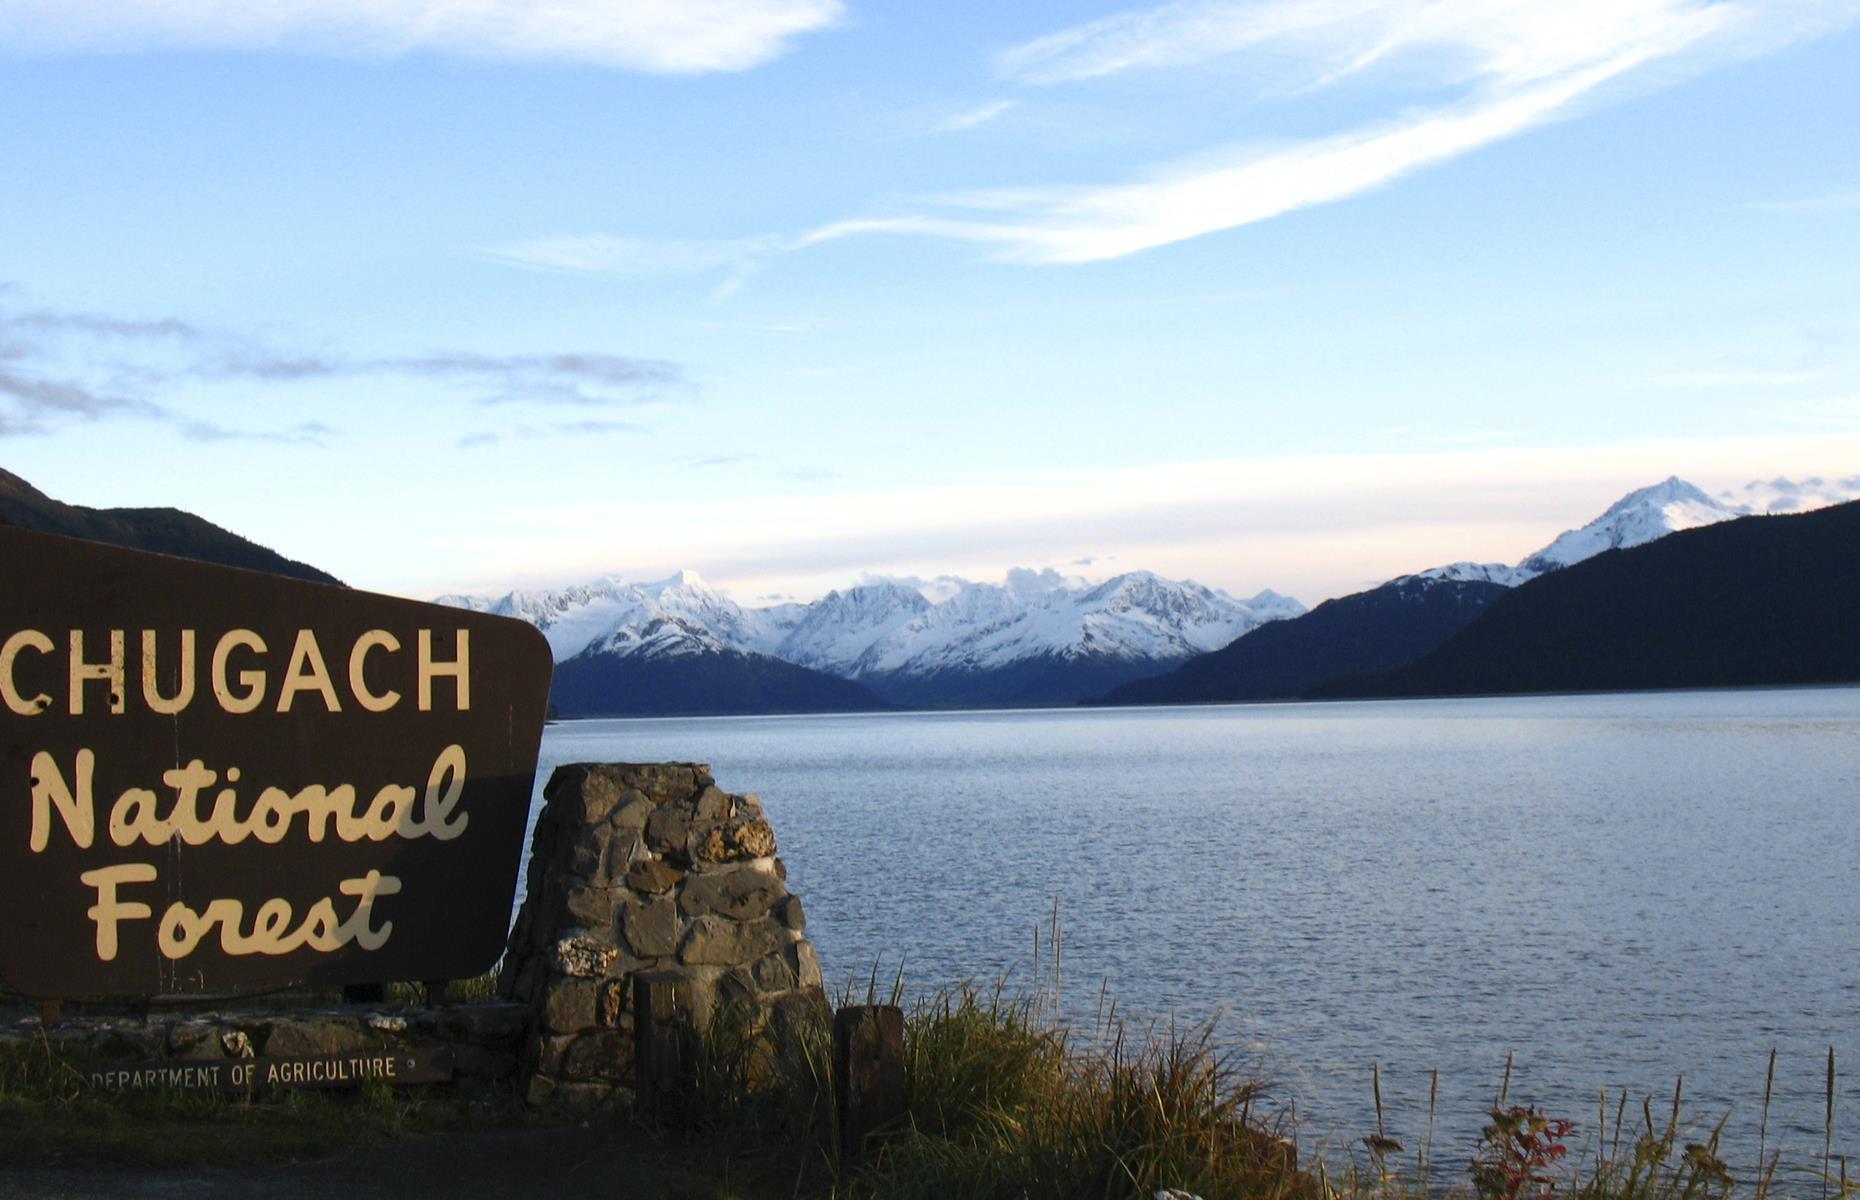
(425,1064)
(214,779)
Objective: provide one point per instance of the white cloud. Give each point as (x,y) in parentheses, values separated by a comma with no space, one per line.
(1505,67)
(605,254)
(1515,64)
(1507,41)
(979,115)
(669,36)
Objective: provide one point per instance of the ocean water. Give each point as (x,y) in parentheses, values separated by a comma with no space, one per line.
(1615,890)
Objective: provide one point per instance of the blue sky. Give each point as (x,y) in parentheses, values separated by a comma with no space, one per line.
(1291,295)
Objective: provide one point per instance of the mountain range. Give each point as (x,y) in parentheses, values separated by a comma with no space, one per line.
(1760,601)
(1037,637)
(1357,644)
(1041,638)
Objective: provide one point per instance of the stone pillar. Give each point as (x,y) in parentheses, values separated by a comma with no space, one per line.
(645,867)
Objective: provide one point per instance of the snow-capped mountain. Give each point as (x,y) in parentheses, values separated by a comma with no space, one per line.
(681,614)
(1472,572)
(889,627)
(894,634)
(1652,512)
(1634,520)
(839,630)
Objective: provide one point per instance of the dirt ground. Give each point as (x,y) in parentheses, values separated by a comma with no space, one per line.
(556,1161)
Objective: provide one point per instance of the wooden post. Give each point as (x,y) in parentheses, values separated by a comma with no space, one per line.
(868,1072)
(435,990)
(661,1036)
(51,1012)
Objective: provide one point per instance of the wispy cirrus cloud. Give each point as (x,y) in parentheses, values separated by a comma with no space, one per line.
(60,367)
(603,254)
(971,118)
(662,36)
(608,255)
(1454,76)
(1515,66)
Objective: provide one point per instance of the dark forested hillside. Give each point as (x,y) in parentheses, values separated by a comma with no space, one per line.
(1751,602)
(710,683)
(1369,631)
(160,530)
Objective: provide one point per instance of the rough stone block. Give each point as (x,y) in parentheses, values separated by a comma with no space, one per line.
(571,1005)
(653,877)
(591,906)
(600,795)
(125,1040)
(806,965)
(713,940)
(604,852)
(194,1039)
(697,993)
(583,956)
(744,891)
(605,1055)
(634,811)
(296,1038)
(666,779)
(668,829)
(713,804)
(548,1050)
(651,927)
(773,973)
(732,841)
(791,915)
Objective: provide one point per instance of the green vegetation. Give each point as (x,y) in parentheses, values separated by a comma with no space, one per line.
(1005,1102)
(1001,1101)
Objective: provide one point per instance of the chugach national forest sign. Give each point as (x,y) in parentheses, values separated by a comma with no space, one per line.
(218,780)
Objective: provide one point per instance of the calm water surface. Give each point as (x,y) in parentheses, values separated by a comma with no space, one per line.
(1617,889)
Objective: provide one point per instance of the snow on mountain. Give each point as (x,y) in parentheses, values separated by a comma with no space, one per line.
(680,614)
(1652,512)
(658,637)
(885,626)
(841,627)
(1472,572)
(985,626)
(1634,520)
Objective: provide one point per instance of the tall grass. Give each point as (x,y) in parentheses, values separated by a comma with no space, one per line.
(1004,1100)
